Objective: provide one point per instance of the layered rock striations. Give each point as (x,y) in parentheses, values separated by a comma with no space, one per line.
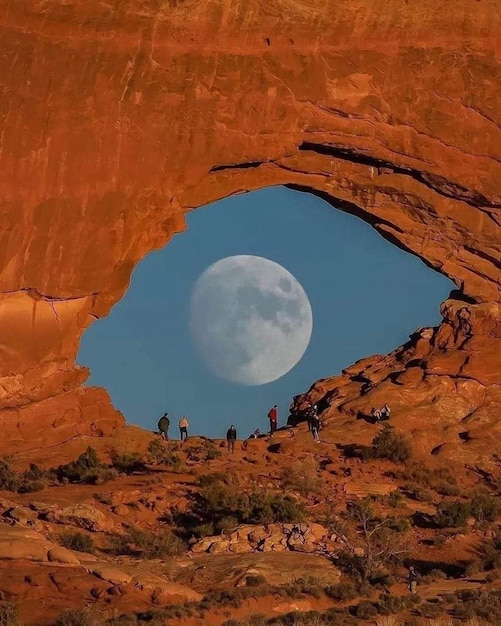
(116,118)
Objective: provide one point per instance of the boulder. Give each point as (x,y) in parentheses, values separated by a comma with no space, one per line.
(62,555)
(82,516)
(110,574)
(17,542)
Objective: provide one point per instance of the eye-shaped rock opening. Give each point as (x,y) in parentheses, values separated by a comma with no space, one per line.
(366,297)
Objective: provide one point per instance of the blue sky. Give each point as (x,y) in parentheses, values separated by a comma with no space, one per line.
(367,296)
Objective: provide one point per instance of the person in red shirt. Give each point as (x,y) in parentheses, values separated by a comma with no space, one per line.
(273,417)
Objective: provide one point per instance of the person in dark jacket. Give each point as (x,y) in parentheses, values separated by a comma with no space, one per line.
(412,579)
(314,423)
(231,437)
(163,426)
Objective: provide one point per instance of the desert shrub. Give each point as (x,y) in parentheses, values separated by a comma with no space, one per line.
(434,575)
(490,553)
(10,480)
(438,540)
(104,498)
(365,610)
(388,444)
(447,489)
(128,462)
(308,585)
(436,478)
(9,615)
(79,617)
(484,507)
(380,541)
(429,610)
(301,477)
(266,508)
(163,454)
(75,540)
(255,580)
(418,493)
(146,544)
(342,591)
(395,499)
(389,604)
(86,469)
(399,524)
(222,498)
(32,486)
(452,514)
(484,605)
(204,451)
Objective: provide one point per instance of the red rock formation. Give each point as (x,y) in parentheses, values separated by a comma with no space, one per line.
(118,117)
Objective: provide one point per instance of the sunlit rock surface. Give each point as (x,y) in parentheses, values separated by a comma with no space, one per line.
(118,117)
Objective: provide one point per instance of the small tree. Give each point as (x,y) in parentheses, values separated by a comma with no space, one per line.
(375,543)
(388,444)
(452,514)
(484,507)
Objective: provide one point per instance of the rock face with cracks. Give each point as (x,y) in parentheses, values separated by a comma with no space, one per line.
(116,118)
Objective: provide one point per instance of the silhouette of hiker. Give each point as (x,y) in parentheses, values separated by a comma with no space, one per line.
(231,437)
(412,579)
(273,417)
(183,427)
(163,426)
(314,422)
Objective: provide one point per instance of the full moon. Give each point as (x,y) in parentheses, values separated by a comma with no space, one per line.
(250,319)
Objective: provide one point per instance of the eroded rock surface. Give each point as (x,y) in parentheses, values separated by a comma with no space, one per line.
(117,118)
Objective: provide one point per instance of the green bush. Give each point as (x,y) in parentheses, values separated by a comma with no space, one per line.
(86,469)
(10,480)
(75,540)
(418,493)
(389,604)
(301,477)
(447,489)
(128,462)
(438,478)
(9,615)
(222,501)
(365,610)
(255,580)
(147,545)
(161,453)
(395,499)
(79,617)
(491,553)
(201,452)
(452,514)
(481,604)
(342,591)
(388,444)
(484,507)
(429,610)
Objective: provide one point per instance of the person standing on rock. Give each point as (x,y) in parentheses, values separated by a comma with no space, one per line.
(183,427)
(314,422)
(163,426)
(273,417)
(231,437)
(412,580)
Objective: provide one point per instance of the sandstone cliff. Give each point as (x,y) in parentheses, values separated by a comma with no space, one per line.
(118,117)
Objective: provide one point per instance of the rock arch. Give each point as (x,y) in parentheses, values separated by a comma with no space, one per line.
(117,118)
